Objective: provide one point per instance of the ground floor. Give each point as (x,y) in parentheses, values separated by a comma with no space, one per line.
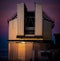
(27,51)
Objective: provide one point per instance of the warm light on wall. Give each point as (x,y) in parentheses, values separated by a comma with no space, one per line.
(22,42)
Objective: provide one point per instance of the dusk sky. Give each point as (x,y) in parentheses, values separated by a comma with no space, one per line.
(8,9)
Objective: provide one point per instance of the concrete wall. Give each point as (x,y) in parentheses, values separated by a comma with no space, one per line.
(12,33)
(47,30)
(29,51)
(38,20)
(20,51)
(12,51)
(16,26)
(20,17)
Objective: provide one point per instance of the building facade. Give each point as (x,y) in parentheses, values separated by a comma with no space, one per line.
(29,33)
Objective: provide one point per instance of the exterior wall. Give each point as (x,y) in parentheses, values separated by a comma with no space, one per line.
(38,48)
(20,17)
(20,51)
(29,51)
(13,51)
(12,30)
(38,20)
(47,30)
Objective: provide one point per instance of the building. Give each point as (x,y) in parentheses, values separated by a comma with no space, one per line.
(29,33)
(57,46)
(57,40)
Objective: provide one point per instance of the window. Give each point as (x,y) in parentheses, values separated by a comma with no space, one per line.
(29,25)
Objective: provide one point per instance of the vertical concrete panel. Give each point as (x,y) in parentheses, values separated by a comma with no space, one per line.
(12,51)
(20,17)
(29,51)
(47,30)
(10,30)
(21,51)
(15,51)
(38,20)
(13,29)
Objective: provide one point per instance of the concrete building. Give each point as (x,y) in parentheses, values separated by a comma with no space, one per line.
(29,33)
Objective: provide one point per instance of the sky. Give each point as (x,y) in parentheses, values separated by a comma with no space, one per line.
(8,8)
